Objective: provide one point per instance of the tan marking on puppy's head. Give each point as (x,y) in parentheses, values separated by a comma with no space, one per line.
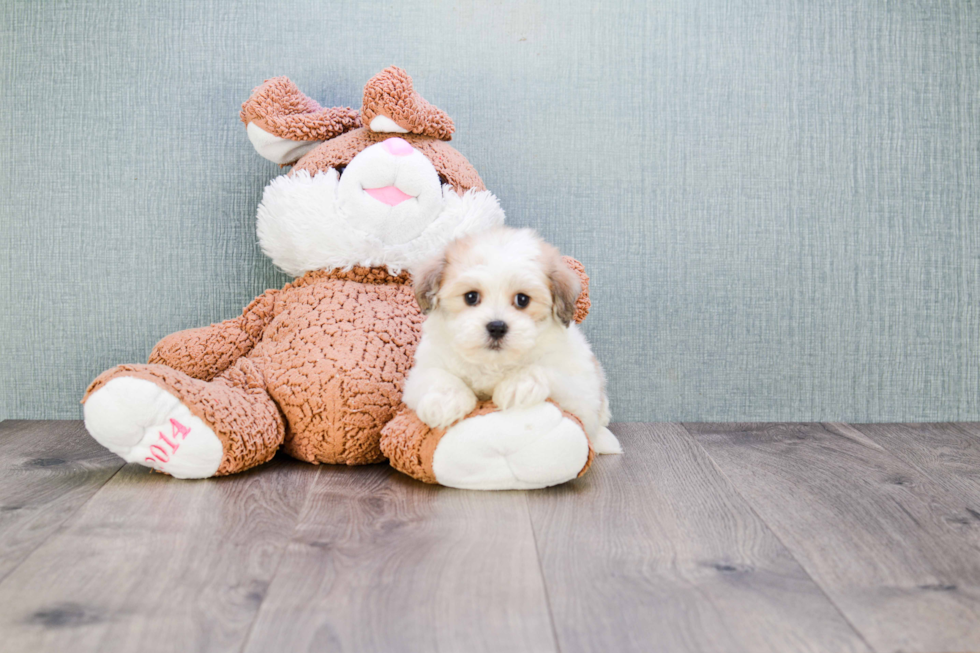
(426,283)
(564,283)
(429,278)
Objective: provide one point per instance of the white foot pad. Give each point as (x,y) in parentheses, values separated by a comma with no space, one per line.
(143,423)
(517,449)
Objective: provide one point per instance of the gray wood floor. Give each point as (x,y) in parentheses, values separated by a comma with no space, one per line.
(703,537)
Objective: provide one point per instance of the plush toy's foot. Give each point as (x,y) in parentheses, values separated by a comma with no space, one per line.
(284,124)
(157,416)
(142,423)
(517,449)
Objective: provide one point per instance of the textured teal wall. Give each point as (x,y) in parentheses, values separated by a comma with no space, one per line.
(778,202)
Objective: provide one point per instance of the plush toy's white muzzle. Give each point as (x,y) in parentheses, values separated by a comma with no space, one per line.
(391,191)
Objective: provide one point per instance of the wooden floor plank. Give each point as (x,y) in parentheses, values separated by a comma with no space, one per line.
(383,563)
(949,454)
(874,532)
(654,550)
(152,563)
(48,470)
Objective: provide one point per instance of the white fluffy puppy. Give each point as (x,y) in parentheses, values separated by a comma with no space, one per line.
(500,306)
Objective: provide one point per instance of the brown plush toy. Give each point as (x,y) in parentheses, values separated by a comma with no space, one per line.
(317,367)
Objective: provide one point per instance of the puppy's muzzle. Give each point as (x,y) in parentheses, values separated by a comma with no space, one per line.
(497,330)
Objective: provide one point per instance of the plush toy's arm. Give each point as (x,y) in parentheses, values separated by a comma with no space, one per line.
(583,303)
(205,352)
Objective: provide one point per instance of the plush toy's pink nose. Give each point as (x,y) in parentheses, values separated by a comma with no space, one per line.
(398,147)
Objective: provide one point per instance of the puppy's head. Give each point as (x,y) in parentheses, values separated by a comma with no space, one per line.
(497,292)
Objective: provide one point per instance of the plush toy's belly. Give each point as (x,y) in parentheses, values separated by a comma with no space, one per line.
(335,360)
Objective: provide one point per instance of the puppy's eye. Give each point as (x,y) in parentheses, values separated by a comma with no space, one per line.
(521,300)
(340,170)
(472,298)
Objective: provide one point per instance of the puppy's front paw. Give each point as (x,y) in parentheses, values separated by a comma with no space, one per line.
(525,388)
(443,406)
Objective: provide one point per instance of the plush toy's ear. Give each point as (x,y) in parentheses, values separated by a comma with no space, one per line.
(565,287)
(427,281)
(391,104)
(283,124)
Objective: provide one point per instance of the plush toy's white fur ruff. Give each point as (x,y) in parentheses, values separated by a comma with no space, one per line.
(302,227)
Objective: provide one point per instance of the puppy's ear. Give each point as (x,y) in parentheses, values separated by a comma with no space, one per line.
(427,281)
(565,288)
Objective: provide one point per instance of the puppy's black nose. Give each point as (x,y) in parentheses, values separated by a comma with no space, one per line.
(497,329)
